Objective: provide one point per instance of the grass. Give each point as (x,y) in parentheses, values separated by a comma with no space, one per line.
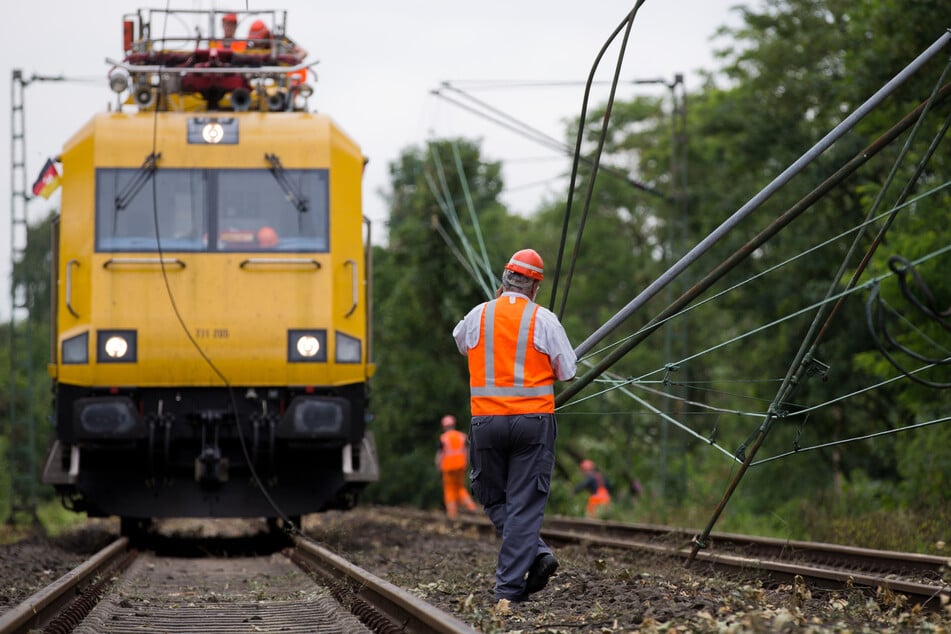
(51,519)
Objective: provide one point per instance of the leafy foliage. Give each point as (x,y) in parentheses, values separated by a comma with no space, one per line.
(792,70)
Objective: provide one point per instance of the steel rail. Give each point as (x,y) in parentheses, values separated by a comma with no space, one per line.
(407,611)
(39,608)
(822,563)
(783,557)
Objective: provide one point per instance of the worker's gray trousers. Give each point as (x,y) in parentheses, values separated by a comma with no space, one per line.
(512,458)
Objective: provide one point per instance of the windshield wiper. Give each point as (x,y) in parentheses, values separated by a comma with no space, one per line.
(140,178)
(280,175)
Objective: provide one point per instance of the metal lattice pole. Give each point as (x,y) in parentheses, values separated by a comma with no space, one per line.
(21,427)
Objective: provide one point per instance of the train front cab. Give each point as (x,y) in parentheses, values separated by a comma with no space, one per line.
(236,337)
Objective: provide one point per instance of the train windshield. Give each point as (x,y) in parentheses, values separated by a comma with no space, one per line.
(211,210)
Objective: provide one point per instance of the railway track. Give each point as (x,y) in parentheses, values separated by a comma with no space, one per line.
(924,579)
(285,589)
(300,588)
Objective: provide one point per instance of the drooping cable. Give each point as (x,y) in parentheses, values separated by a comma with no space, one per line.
(184,326)
(444,200)
(625,25)
(730,223)
(801,365)
(476,226)
(480,266)
(741,254)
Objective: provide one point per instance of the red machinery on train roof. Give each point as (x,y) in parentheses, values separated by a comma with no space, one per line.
(186,60)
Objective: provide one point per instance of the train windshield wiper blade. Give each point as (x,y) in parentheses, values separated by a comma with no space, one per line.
(280,175)
(140,178)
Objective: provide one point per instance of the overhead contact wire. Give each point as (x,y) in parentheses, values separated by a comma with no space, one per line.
(577,152)
(450,210)
(747,249)
(486,264)
(755,202)
(444,200)
(811,340)
(664,317)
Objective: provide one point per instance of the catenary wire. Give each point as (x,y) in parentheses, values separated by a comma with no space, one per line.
(907,205)
(627,25)
(486,264)
(757,241)
(445,202)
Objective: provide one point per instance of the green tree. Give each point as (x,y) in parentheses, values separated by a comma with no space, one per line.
(422,291)
(794,70)
(24,402)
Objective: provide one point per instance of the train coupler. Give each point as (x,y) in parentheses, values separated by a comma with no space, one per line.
(210,467)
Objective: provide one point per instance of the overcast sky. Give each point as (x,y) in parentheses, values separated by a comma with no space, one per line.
(379,62)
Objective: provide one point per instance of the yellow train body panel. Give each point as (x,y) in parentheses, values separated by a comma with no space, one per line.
(233,309)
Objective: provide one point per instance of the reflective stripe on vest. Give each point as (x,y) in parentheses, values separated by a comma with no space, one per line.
(532,380)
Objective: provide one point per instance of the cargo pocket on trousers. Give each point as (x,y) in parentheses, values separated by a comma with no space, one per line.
(546,463)
(484,490)
(475,484)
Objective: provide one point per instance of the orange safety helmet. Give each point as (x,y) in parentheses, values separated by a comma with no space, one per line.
(587,465)
(230,17)
(448,421)
(259,31)
(267,237)
(528,263)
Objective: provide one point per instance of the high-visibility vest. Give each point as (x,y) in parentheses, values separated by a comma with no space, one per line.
(453,450)
(507,375)
(600,497)
(238,46)
(601,494)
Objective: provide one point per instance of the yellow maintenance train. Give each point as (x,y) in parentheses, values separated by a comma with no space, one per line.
(211,326)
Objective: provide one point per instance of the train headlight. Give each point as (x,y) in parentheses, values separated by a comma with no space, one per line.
(306,346)
(348,349)
(116,346)
(76,349)
(213,130)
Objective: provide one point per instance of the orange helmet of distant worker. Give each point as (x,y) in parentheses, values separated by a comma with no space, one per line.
(258,31)
(448,421)
(230,17)
(587,465)
(528,263)
(267,237)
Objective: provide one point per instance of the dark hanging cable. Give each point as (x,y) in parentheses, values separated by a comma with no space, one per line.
(627,22)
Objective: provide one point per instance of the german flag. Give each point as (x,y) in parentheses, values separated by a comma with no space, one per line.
(48,180)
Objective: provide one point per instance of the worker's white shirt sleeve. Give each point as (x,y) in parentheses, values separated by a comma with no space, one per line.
(466,332)
(550,338)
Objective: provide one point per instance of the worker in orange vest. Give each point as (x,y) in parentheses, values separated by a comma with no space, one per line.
(229,23)
(451,460)
(516,350)
(597,486)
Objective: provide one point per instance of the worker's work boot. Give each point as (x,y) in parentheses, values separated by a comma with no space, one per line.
(542,568)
